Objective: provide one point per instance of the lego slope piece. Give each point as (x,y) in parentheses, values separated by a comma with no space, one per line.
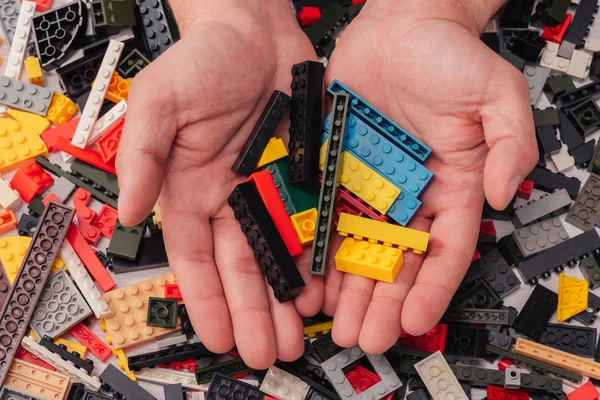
(334,366)
(540,236)
(18,46)
(108,121)
(121,384)
(129,307)
(35,122)
(572,297)
(439,378)
(24,96)
(584,15)
(370,260)
(536,78)
(579,66)
(34,71)
(283,386)
(261,134)
(19,145)
(40,382)
(586,208)
(89,115)
(329,185)
(274,151)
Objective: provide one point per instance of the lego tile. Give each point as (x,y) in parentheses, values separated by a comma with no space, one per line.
(152,255)
(92,107)
(162,313)
(550,59)
(295,198)
(370,260)
(475,316)
(535,314)
(439,378)
(34,71)
(269,250)
(579,65)
(40,382)
(562,160)
(96,346)
(34,122)
(230,368)
(274,150)
(304,224)
(540,236)
(543,208)
(261,134)
(546,138)
(334,366)
(20,145)
(572,297)
(125,241)
(175,392)
(24,96)
(14,63)
(585,209)
(163,376)
(121,384)
(584,15)
(225,388)
(9,198)
(576,340)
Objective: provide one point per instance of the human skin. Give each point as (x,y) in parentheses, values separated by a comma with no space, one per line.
(191,110)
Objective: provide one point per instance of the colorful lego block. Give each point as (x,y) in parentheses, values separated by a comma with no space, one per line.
(118,89)
(34,71)
(370,260)
(274,151)
(572,297)
(8,222)
(322,328)
(31,180)
(304,223)
(20,145)
(85,336)
(62,110)
(35,122)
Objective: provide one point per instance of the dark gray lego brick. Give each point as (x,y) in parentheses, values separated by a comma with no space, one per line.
(586,208)
(540,236)
(475,316)
(535,314)
(576,340)
(121,384)
(546,206)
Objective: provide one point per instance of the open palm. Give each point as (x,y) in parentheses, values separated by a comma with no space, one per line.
(189,115)
(437,80)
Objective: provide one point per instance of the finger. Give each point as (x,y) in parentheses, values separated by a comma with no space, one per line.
(310,299)
(381,326)
(333,279)
(244,288)
(192,263)
(352,305)
(509,133)
(289,335)
(150,127)
(444,267)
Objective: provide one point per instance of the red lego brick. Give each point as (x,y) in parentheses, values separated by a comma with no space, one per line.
(66,130)
(524,190)
(487,228)
(172,291)
(584,392)
(557,33)
(309,15)
(50,197)
(86,337)
(504,363)
(108,144)
(185,365)
(86,216)
(31,180)
(107,218)
(8,221)
(362,379)
(499,393)
(265,185)
(476,256)
(89,259)
(358,1)
(234,353)
(24,355)
(87,155)
(431,341)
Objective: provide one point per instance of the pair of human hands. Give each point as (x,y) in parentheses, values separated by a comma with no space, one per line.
(421,63)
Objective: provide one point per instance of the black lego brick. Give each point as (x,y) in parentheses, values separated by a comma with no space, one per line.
(269,249)
(491,40)
(535,314)
(509,250)
(515,60)
(483,377)
(261,133)
(312,374)
(584,153)
(547,116)
(555,258)
(585,116)
(125,241)
(322,31)
(305,122)
(229,368)
(154,24)
(569,134)
(27,224)
(475,316)
(481,295)
(465,341)
(121,384)
(184,318)
(579,27)
(588,316)
(528,45)
(547,140)
(96,177)
(557,85)
(77,76)
(497,338)
(576,96)
(168,355)
(36,206)
(495,270)
(225,388)
(502,215)
(576,340)
(175,392)
(152,255)
(86,365)
(324,347)
(550,12)
(549,181)
(517,14)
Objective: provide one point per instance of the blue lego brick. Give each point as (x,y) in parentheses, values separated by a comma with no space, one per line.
(403,209)
(384,157)
(382,123)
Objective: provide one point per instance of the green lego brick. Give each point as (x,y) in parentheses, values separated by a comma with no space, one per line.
(295,198)
(162,313)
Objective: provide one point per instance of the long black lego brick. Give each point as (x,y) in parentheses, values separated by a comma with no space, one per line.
(563,254)
(229,368)
(167,356)
(270,251)
(535,314)
(579,27)
(322,31)
(122,385)
(465,341)
(475,316)
(576,96)
(152,254)
(225,388)
(87,365)
(549,181)
(30,280)
(261,133)
(576,340)
(96,177)
(483,377)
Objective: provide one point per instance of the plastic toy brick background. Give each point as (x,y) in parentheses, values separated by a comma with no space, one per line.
(516,299)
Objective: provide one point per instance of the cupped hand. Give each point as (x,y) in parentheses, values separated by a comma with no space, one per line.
(189,114)
(429,72)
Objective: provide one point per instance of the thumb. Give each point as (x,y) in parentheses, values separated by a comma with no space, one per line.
(150,128)
(510,135)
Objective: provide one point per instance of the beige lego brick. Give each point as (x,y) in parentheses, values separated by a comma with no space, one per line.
(129,309)
(550,58)
(9,198)
(579,66)
(37,381)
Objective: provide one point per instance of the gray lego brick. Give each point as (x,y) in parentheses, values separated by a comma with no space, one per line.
(536,78)
(334,370)
(540,236)
(483,377)
(9,13)
(60,307)
(174,392)
(9,394)
(545,207)
(62,188)
(586,208)
(24,96)
(578,340)
(498,339)
(512,377)
(439,378)
(121,384)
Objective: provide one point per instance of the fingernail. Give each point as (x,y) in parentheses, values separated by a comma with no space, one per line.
(513,185)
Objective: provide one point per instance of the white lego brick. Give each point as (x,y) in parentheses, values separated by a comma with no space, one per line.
(67,157)
(9,198)
(108,121)
(592,44)
(18,47)
(76,374)
(196,396)
(562,160)
(84,282)
(579,66)
(283,386)
(171,340)
(90,112)
(550,58)
(439,379)
(163,376)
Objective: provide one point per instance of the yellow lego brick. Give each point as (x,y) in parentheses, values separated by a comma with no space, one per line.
(129,312)
(12,252)
(572,297)
(118,89)
(19,145)
(558,358)
(62,109)
(404,238)
(34,71)
(36,381)
(370,260)
(365,183)
(274,151)
(157,217)
(304,223)
(36,123)
(312,330)
(123,364)
(72,347)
